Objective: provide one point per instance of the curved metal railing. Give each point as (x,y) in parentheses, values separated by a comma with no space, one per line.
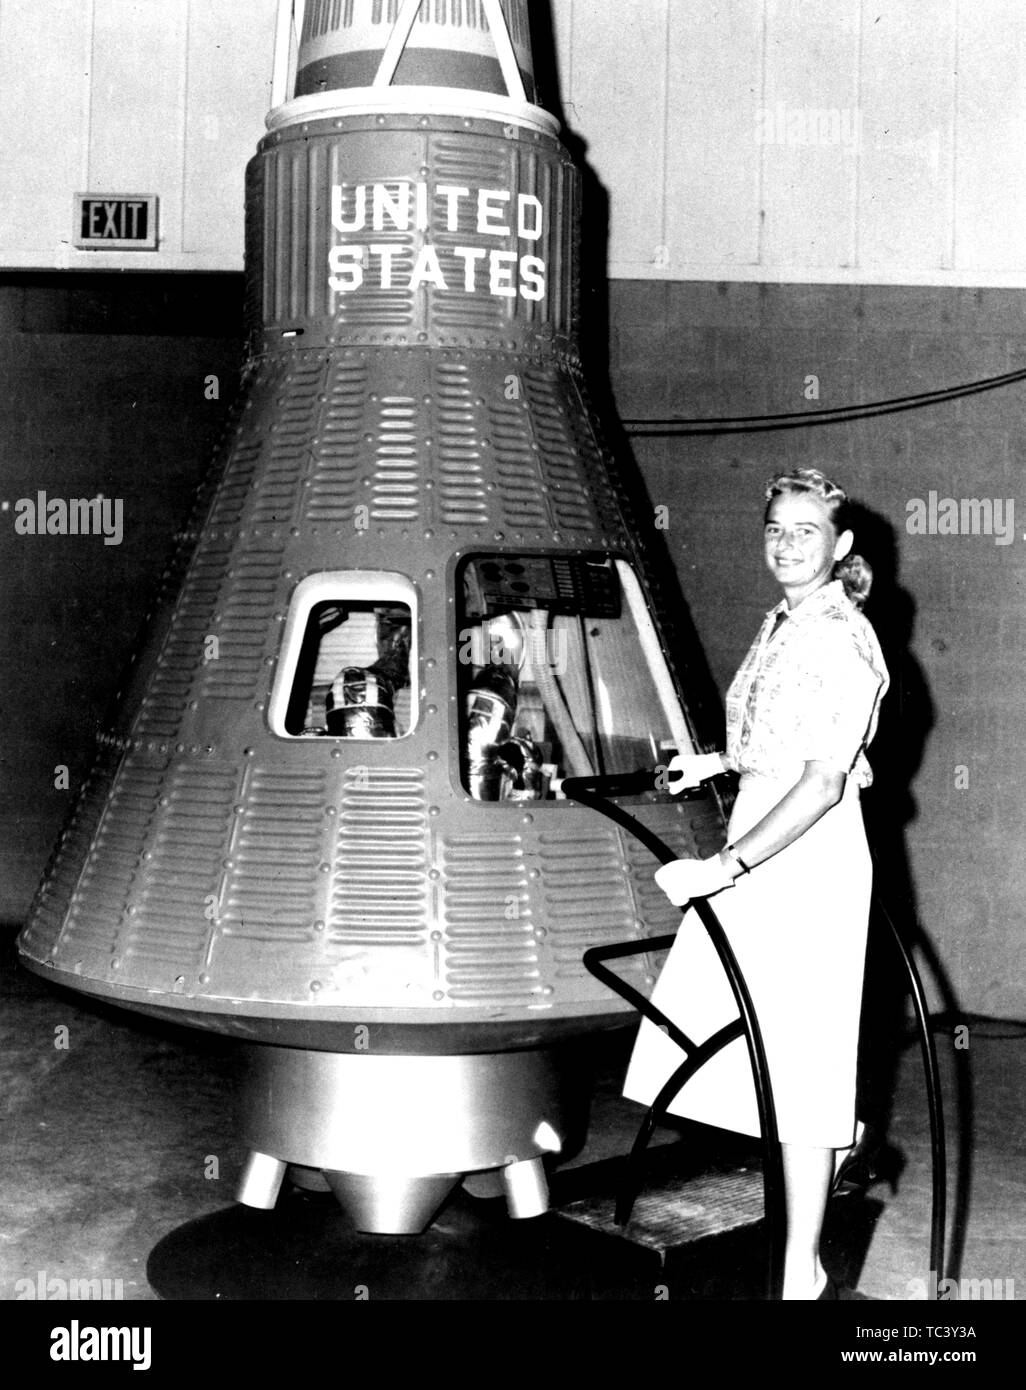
(593,792)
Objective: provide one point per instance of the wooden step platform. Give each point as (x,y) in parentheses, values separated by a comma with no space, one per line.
(679,1210)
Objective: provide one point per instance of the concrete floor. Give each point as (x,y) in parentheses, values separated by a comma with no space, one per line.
(117,1139)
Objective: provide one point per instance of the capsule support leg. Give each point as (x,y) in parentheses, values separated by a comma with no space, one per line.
(261,1180)
(527,1189)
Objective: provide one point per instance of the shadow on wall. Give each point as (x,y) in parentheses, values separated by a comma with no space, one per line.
(114,383)
(906,720)
(896,754)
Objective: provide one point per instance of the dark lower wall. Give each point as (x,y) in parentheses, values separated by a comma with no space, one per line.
(103,391)
(951,756)
(104,383)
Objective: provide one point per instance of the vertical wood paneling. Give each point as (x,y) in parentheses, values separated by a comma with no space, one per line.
(713,151)
(138,105)
(44,69)
(708,123)
(618,104)
(228,95)
(809,178)
(562,31)
(990,159)
(907,133)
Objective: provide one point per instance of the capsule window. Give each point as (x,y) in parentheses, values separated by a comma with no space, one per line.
(347,658)
(560,674)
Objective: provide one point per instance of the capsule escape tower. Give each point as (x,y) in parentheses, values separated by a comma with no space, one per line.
(325,818)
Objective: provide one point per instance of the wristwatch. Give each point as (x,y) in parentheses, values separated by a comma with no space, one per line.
(730,851)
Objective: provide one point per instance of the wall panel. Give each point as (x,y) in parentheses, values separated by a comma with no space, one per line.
(226,103)
(618,101)
(130,96)
(713,155)
(907,131)
(137,107)
(45,71)
(858,141)
(990,160)
(809,165)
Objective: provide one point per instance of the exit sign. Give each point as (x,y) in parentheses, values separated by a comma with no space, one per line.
(116,221)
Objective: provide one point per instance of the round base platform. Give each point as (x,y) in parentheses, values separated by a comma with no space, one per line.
(308,1249)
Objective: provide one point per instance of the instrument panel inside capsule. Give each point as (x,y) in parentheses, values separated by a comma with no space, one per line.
(560,674)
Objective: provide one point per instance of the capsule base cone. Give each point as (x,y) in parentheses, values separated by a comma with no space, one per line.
(391,1205)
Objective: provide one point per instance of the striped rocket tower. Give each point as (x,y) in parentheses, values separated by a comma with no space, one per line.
(325,817)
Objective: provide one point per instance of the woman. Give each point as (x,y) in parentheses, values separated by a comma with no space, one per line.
(796,868)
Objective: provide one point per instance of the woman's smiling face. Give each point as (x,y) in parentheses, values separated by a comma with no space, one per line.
(802,546)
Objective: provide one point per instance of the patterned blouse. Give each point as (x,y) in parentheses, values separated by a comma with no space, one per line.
(809,689)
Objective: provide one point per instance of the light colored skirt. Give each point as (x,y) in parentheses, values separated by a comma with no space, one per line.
(797,925)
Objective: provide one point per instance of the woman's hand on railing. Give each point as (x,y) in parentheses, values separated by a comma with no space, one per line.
(692,770)
(685,879)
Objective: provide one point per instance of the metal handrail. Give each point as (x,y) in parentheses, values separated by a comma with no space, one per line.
(590,791)
(934,1100)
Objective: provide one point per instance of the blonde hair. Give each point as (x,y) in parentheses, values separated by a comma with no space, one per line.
(855,573)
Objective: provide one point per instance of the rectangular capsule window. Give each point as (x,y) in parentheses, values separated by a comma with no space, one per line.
(347,656)
(560,674)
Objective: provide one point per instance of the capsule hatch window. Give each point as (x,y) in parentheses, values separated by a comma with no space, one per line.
(347,654)
(560,674)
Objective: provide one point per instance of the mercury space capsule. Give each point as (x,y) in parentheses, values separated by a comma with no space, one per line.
(326,818)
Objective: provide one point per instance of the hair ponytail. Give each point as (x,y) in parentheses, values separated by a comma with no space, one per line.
(856,574)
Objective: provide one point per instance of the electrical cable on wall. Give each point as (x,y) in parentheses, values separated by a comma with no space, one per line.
(803,419)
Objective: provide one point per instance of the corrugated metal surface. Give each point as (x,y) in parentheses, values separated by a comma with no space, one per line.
(100,905)
(395,490)
(335,471)
(177,665)
(168,923)
(298,409)
(492,955)
(379,887)
(462,488)
(296,180)
(518,478)
(249,876)
(54,897)
(270,890)
(565,479)
(380,947)
(237,486)
(586,893)
(243,624)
